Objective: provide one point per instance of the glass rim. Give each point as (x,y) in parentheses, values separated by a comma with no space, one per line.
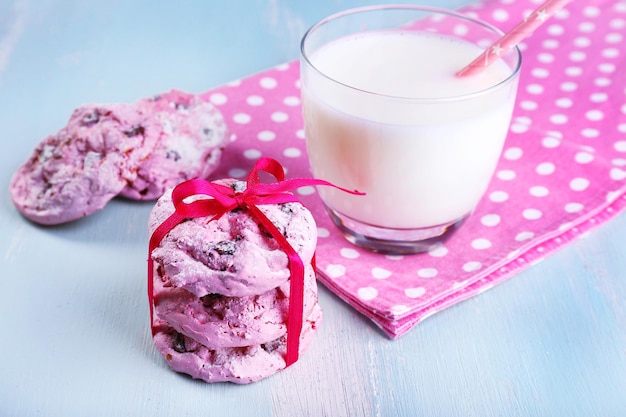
(433,10)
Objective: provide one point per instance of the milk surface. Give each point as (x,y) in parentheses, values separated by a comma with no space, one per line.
(399,132)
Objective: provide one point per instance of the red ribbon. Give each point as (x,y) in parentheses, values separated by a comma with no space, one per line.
(225,199)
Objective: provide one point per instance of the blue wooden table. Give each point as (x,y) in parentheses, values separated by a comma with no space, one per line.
(73,310)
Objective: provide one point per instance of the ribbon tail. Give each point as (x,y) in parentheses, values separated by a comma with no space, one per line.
(296,288)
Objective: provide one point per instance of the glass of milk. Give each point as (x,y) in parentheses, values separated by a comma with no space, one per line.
(385,114)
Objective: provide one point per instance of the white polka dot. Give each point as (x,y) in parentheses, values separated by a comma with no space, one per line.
(602,82)
(292,152)
(237,172)
(606,68)
(545,58)
(569,86)
(555,30)
(490,220)
(590,133)
(335,270)
(532,214)
(545,168)
(618,162)
(579,184)
(481,243)
(234,83)
(598,97)
(472,266)
(415,292)
(617,174)
(564,102)
(266,135)
(583,157)
(620,146)
(500,15)
(252,153)
(534,89)
(522,236)
(242,118)
(498,196)
(529,105)
(594,115)
(349,253)
(540,72)
(323,232)
(573,71)
(218,99)
(380,273)
(550,142)
(558,119)
(610,53)
(573,207)
(427,273)
(613,38)
(306,190)
(539,191)
(460,30)
(438,251)
(506,175)
(582,42)
(586,27)
(519,127)
(577,56)
(291,101)
(300,134)
(268,83)
(591,11)
(279,117)
(550,44)
(255,100)
(513,154)
(399,309)
(367,293)
(394,257)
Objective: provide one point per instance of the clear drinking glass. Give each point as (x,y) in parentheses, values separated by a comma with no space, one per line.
(385,114)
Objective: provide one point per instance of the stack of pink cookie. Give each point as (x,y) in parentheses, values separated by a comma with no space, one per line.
(133,150)
(221,291)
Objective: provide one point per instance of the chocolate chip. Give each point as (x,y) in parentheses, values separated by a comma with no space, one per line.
(91,118)
(172,154)
(225,247)
(207,132)
(179,343)
(137,130)
(270,347)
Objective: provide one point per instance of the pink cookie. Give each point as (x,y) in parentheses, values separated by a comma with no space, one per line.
(217,321)
(77,171)
(240,365)
(192,135)
(231,255)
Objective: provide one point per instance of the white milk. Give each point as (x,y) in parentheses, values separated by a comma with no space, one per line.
(421,162)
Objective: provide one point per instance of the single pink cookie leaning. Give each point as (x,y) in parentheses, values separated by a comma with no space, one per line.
(231,255)
(78,170)
(192,135)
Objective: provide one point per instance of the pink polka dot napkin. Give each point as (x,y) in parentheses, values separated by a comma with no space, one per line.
(562,171)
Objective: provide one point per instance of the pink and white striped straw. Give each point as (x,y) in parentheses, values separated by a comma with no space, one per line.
(513,37)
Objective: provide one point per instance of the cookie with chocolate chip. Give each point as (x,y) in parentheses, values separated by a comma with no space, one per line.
(192,134)
(76,171)
(232,255)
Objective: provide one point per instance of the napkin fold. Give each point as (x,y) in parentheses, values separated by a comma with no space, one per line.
(561,174)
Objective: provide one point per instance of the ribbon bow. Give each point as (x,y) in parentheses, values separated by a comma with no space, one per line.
(225,199)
